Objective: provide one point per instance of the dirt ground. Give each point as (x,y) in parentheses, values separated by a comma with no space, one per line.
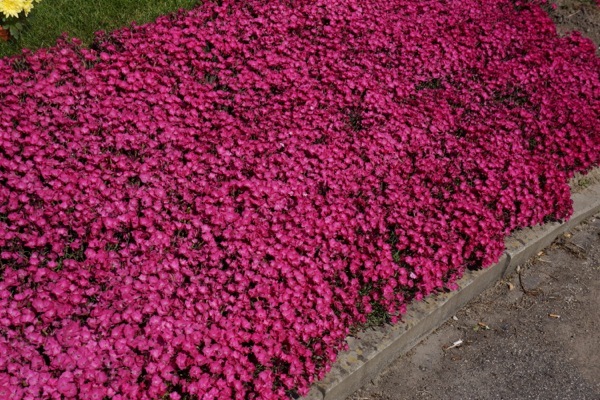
(535,335)
(577,15)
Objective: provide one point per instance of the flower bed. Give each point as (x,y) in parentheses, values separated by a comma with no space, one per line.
(204,206)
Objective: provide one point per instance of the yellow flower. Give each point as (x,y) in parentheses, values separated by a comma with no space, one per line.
(27,6)
(11,8)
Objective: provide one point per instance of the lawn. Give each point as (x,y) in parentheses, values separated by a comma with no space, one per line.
(81,18)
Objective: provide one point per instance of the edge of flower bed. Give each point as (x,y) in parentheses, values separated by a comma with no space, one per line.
(372,350)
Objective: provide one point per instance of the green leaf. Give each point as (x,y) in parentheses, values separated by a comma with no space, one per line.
(14,31)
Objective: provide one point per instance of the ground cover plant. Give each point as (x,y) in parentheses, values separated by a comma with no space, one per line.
(204,206)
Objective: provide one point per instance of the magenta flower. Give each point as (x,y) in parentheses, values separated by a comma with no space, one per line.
(206,205)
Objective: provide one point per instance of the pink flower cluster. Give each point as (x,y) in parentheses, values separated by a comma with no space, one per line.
(203,207)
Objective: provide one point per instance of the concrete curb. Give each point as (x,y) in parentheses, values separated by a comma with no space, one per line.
(373,350)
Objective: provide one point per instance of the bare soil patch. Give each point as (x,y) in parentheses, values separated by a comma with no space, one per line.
(577,15)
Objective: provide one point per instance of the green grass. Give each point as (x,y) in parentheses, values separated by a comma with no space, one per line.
(81,18)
